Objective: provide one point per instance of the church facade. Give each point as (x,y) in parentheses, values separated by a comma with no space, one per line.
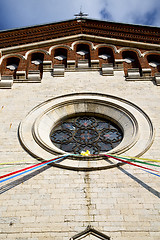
(68,88)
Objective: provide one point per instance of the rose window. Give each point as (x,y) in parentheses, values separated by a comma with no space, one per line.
(97,135)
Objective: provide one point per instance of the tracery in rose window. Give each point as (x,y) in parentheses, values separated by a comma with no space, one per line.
(83,133)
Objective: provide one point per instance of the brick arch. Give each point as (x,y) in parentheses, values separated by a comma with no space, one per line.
(31,57)
(10,60)
(130,55)
(137,51)
(35,51)
(153,60)
(74,44)
(11,55)
(145,54)
(82,51)
(58,46)
(105,55)
(107,46)
(59,52)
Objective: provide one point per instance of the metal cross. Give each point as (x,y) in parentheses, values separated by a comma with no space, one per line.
(81,15)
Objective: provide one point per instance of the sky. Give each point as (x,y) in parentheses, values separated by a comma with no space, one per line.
(23,13)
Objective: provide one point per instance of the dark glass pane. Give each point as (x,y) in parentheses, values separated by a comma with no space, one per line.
(68,147)
(111,135)
(104,146)
(68,125)
(102,125)
(86,135)
(61,136)
(85,122)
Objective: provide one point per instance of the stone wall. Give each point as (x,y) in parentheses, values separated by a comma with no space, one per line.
(56,203)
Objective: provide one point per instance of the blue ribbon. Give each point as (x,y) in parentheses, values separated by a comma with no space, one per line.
(57,159)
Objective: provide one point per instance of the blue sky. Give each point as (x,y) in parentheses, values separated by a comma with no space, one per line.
(21,13)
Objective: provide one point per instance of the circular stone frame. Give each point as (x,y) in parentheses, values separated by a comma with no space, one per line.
(35,129)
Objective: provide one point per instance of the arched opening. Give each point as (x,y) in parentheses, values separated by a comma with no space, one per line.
(154,63)
(83,55)
(12,64)
(37,60)
(106,56)
(60,56)
(131,63)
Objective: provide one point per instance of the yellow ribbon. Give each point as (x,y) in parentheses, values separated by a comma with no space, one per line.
(9,163)
(87,153)
(145,159)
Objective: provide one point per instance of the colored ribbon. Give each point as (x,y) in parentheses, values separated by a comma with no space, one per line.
(145,159)
(152,173)
(133,160)
(28,169)
(136,165)
(87,153)
(128,160)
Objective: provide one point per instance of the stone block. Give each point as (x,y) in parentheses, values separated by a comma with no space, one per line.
(34,75)
(157,78)
(47,66)
(133,73)
(20,75)
(119,64)
(107,69)
(6,81)
(83,64)
(146,72)
(71,64)
(95,63)
(6,77)
(58,70)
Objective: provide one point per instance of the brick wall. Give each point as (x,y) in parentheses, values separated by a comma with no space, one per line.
(26,65)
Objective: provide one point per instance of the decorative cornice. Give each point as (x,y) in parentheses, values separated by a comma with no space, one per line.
(62,40)
(73,27)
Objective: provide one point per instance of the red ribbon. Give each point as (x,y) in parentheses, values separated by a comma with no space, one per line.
(12,173)
(131,163)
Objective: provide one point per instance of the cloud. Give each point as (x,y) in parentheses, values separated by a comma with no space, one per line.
(133,11)
(19,13)
(105,14)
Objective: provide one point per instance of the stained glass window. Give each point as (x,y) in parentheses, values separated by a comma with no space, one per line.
(78,134)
